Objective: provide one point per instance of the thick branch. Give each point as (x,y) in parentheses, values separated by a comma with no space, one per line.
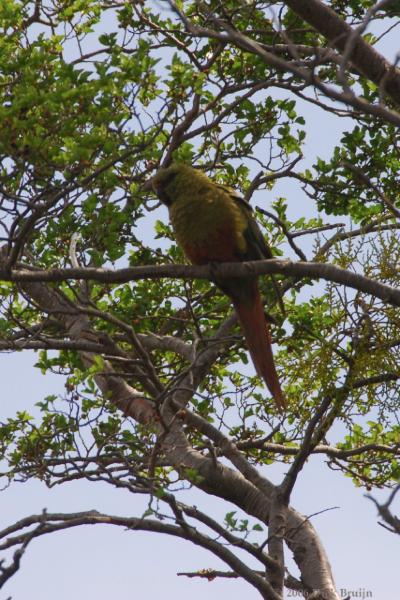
(312,270)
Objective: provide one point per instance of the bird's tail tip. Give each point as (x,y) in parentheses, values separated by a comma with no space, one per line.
(274,387)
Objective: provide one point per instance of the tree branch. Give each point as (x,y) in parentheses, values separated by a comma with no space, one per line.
(48,523)
(382,70)
(362,55)
(313,270)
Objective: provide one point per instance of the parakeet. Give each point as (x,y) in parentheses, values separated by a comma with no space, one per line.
(213,223)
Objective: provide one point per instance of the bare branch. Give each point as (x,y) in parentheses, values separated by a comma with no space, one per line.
(385,512)
(312,270)
(49,522)
(330,451)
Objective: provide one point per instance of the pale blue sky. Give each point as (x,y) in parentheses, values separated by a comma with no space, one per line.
(103,562)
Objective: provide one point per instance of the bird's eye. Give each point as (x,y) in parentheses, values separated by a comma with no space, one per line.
(160,187)
(163,196)
(169,178)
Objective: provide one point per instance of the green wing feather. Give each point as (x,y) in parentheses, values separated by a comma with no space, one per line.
(256,247)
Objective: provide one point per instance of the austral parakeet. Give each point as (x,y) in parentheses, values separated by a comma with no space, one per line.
(213,223)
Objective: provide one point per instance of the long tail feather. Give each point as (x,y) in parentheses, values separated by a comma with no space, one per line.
(252,319)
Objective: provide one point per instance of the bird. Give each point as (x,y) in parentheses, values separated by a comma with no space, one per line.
(213,223)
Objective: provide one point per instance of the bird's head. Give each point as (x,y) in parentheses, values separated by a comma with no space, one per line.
(164,182)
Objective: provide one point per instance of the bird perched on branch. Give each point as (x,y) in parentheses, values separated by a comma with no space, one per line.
(213,223)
